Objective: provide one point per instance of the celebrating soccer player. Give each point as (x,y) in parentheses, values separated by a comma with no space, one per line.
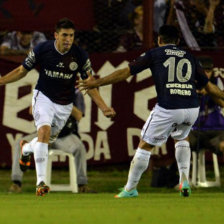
(177,75)
(59,62)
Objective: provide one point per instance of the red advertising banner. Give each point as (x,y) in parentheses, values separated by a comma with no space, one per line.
(107,141)
(42,15)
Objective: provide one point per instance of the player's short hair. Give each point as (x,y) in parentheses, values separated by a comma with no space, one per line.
(169,34)
(206,62)
(64,23)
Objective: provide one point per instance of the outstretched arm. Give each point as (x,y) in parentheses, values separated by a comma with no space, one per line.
(14,75)
(114,77)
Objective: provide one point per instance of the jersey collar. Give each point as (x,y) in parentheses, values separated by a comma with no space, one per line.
(58,50)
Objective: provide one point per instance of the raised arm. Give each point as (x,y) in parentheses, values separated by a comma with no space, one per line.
(171,18)
(209,20)
(14,75)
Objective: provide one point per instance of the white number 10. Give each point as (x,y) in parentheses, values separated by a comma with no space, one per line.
(171,64)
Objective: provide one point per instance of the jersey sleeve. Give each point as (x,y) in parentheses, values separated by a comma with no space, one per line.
(141,63)
(32,58)
(200,76)
(85,65)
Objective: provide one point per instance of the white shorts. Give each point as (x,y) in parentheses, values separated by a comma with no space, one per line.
(162,123)
(46,112)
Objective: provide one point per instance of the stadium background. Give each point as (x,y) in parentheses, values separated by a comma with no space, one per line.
(99,28)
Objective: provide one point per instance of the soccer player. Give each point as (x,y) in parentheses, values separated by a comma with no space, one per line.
(68,141)
(59,62)
(177,75)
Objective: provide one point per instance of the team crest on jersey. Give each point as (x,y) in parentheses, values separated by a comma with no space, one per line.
(73,66)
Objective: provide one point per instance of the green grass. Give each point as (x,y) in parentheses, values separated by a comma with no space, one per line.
(103,208)
(153,206)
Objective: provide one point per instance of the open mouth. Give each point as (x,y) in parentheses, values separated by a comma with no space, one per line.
(66,45)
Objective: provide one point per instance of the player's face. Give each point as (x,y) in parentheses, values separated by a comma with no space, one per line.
(64,39)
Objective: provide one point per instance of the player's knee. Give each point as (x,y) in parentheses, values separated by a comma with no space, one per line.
(44,133)
(144,145)
(182,144)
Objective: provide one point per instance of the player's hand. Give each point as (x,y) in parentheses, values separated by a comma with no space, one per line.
(109,112)
(202,92)
(89,83)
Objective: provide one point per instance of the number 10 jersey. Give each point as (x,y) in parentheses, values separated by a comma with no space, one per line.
(176,74)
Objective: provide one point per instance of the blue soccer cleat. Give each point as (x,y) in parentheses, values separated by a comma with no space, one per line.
(127,194)
(185,189)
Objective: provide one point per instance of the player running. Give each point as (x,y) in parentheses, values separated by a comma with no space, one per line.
(59,61)
(177,75)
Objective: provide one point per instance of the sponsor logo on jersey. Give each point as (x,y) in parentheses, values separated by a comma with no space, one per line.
(179,85)
(58,75)
(179,89)
(73,66)
(180,92)
(60,65)
(178,53)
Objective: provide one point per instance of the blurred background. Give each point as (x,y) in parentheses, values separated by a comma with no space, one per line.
(113,32)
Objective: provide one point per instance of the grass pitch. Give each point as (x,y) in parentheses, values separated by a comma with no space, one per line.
(153,206)
(102,208)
